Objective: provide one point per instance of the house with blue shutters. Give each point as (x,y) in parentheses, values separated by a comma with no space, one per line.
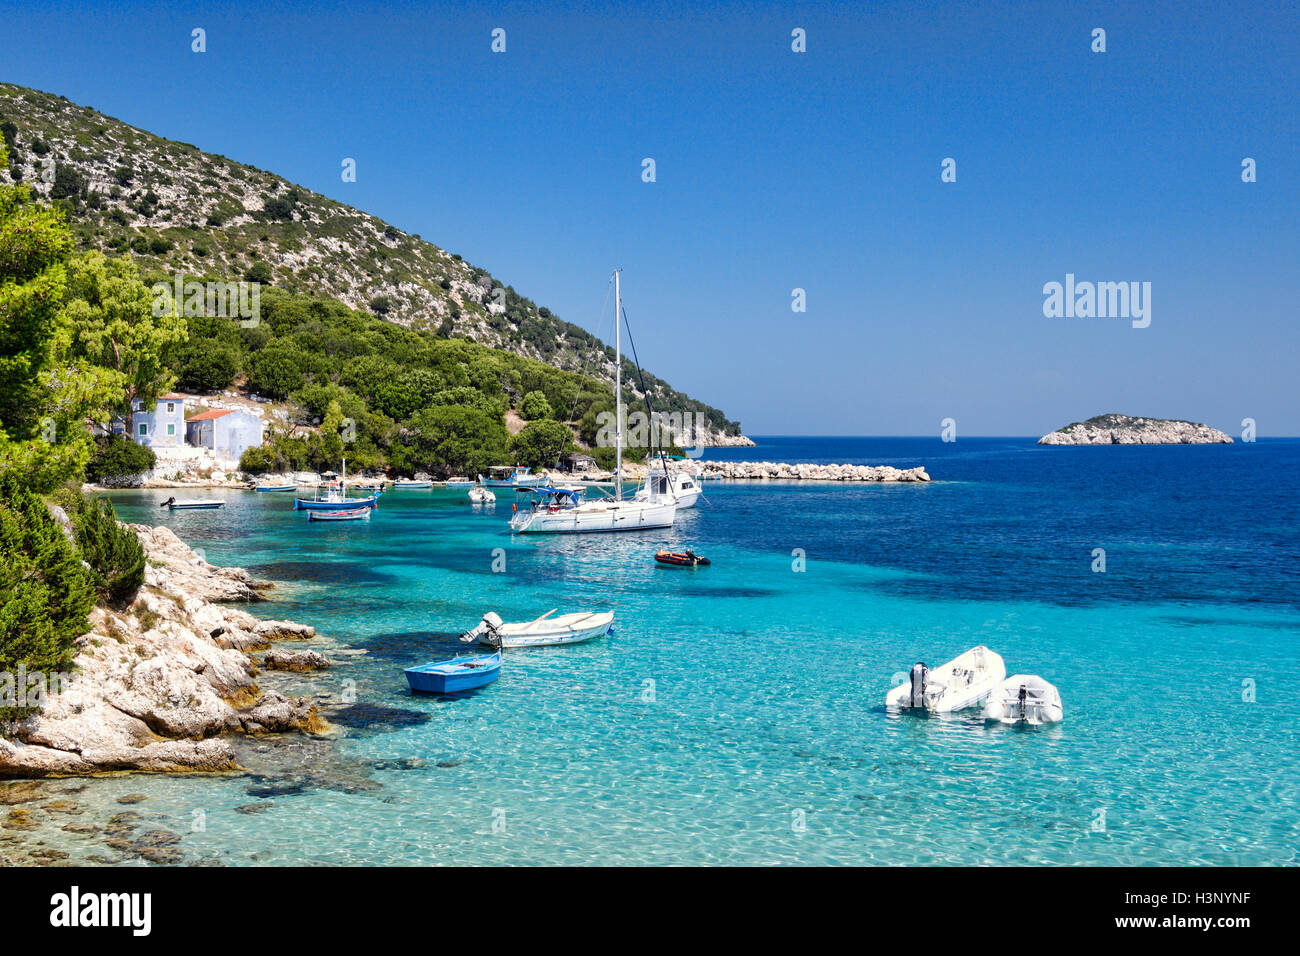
(161,425)
(226,431)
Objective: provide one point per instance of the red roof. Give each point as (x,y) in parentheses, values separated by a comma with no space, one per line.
(208,416)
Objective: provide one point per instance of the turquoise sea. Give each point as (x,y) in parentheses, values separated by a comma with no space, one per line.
(734,716)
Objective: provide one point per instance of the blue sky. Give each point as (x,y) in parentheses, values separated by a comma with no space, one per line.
(778,170)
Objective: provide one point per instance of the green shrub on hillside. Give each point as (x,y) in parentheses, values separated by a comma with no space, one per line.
(116,457)
(541,444)
(205,367)
(45,592)
(534,407)
(112,550)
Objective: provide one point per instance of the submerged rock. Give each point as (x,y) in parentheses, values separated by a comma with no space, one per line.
(295,661)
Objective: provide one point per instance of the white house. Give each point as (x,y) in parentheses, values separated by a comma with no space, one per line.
(161,427)
(227,431)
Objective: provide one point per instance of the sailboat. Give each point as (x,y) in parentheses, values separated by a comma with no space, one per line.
(604,514)
(336,498)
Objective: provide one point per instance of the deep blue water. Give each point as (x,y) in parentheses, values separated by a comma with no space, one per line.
(736,700)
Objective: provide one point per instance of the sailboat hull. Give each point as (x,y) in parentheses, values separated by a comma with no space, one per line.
(597,516)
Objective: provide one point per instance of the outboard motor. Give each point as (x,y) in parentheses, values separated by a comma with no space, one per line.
(919,673)
(1024,693)
(491,621)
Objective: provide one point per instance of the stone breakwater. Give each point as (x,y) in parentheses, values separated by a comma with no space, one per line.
(1124,430)
(781,471)
(154,685)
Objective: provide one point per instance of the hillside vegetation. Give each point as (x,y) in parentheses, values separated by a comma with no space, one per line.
(174,208)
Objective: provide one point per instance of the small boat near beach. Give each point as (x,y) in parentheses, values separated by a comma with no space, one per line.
(480,495)
(544,631)
(963,682)
(335,498)
(356,514)
(680,559)
(459,481)
(509,476)
(1024,699)
(191,504)
(288,487)
(411,483)
(456,675)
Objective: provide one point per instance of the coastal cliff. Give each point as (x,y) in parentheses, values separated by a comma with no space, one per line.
(155,685)
(1113,429)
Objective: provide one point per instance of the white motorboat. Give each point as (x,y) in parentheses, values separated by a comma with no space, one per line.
(675,486)
(480,495)
(544,631)
(191,504)
(1024,699)
(510,476)
(963,682)
(607,514)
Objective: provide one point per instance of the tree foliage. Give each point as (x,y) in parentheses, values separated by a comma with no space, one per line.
(45,591)
(112,550)
(116,457)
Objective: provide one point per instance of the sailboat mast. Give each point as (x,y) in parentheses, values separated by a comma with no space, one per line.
(618,389)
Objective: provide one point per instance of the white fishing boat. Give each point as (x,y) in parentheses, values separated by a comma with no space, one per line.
(413,484)
(675,486)
(509,476)
(544,631)
(459,481)
(191,504)
(1024,699)
(963,682)
(480,495)
(605,514)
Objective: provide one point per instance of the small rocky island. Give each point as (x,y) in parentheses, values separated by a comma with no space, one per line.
(1113,429)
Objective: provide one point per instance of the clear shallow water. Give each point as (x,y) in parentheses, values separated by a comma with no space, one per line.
(733,699)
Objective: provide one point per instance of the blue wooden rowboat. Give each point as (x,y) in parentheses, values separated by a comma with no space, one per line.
(360,514)
(276,488)
(456,675)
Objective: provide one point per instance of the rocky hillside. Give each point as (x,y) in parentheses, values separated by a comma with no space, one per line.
(1113,429)
(178,209)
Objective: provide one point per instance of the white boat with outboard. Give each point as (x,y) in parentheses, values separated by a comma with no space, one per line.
(413,484)
(458,481)
(191,504)
(1024,699)
(544,631)
(963,682)
(603,514)
(480,495)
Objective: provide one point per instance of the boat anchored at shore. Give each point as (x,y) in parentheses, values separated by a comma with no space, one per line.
(335,498)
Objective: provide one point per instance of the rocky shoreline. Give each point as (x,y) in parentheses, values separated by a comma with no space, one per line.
(781,471)
(1116,429)
(155,686)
